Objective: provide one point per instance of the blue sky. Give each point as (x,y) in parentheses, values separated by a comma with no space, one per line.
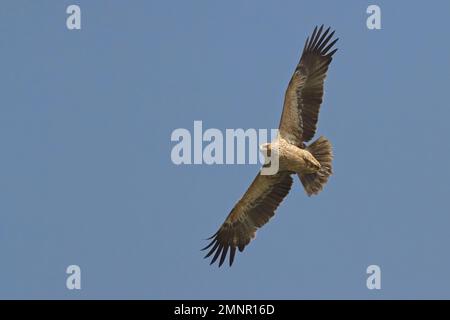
(86,176)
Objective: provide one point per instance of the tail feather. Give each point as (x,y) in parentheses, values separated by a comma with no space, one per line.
(321,149)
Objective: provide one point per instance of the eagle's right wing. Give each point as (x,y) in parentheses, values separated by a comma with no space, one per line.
(254,210)
(305,90)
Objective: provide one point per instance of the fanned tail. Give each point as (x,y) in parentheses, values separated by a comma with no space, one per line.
(321,149)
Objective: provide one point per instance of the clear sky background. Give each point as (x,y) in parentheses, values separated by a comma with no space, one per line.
(86,176)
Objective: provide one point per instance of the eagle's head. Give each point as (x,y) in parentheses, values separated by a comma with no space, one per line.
(266,149)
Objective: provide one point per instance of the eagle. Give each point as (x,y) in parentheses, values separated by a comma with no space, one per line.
(311,163)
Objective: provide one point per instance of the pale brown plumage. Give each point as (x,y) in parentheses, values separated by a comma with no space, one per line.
(297,126)
(305,90)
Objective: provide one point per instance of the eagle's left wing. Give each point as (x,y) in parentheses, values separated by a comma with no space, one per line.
(305,90)
(254,210)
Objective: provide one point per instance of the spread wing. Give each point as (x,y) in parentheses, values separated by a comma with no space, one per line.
(254,210)
(305,90)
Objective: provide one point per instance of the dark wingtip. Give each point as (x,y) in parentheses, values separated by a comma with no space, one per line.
(232,253)
(312,38)
(216,244)
(319,40)
(218,251)
(332,52)
(316,37)
(223,256)
(306,44)
(215,234)
(325,50)
(209,245)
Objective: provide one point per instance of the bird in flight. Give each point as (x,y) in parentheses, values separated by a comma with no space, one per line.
(311,163)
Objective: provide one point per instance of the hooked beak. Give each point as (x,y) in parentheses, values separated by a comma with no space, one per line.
(263,148)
